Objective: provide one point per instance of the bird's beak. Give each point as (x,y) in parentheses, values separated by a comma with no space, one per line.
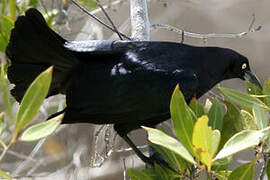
(252,79)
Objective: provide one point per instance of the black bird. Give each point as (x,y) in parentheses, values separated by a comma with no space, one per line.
(125,83)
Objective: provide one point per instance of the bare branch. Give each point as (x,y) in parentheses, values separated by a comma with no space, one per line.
(206,36)
(139,20)
(110,20)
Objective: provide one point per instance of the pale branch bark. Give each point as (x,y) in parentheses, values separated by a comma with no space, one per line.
(204,36)
(140,26)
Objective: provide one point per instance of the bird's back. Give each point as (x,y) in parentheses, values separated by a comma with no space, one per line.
(133,84)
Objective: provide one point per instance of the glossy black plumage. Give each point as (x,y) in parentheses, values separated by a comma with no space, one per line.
(125,83)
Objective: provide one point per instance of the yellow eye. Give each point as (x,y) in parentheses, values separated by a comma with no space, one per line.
(244,66)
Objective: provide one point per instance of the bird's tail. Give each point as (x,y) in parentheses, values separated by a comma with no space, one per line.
(34,47)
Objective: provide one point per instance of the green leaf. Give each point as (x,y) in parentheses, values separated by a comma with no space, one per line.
(174,160)
(5,91)
(12,8)
(240,142)
(215,141)
(246,121)
(33,3)
(207,106)
(154,173)
(33,99)
(163,173)
(5,175)
(244,172)
(222,175)
(222,164)
(202,141)
(242,98)
(229,128)
(181,119)
(3,43)
(138,175)
(260,117)
(42,129)
(215,115)
(160,138)
(196,107)
(252,89)
(266,91)
(268,169)
(92,4)
(2,122)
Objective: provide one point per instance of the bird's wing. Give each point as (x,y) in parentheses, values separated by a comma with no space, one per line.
(188,82)
(91,47)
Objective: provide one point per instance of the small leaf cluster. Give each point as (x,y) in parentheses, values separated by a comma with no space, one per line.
(29,108)
(207,139)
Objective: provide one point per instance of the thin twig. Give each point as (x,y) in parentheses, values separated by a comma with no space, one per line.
(110,20)
(106,6)
(125,169)
(36,149)
(97,19)
(5,151)
(206,36)
(94,158)
(16,154)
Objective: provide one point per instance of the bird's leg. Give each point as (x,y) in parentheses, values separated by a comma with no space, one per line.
(155,158)
(137,151)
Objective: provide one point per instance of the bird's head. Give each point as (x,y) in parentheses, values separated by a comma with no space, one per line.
(239,68)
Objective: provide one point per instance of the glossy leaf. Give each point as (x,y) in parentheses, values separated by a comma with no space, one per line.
(229,121)
(242,98)
(160,138)
(207,106)
(222,164)
(181,118)
(202,141)
(163,173)
(215,141)
(240,142)
(33,99)
(138,175)
(266,91)
(42,129)
(246,121)
(6,24)
(222,175)
(252,89)
(154,173)
(174,160)
(196,108)
(260,117)
(5,91)
(215,115)
(244,172)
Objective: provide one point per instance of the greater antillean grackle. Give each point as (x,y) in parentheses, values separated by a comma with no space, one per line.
(125,83)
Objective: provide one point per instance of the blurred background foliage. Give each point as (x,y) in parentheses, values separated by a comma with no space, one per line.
(89,146)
